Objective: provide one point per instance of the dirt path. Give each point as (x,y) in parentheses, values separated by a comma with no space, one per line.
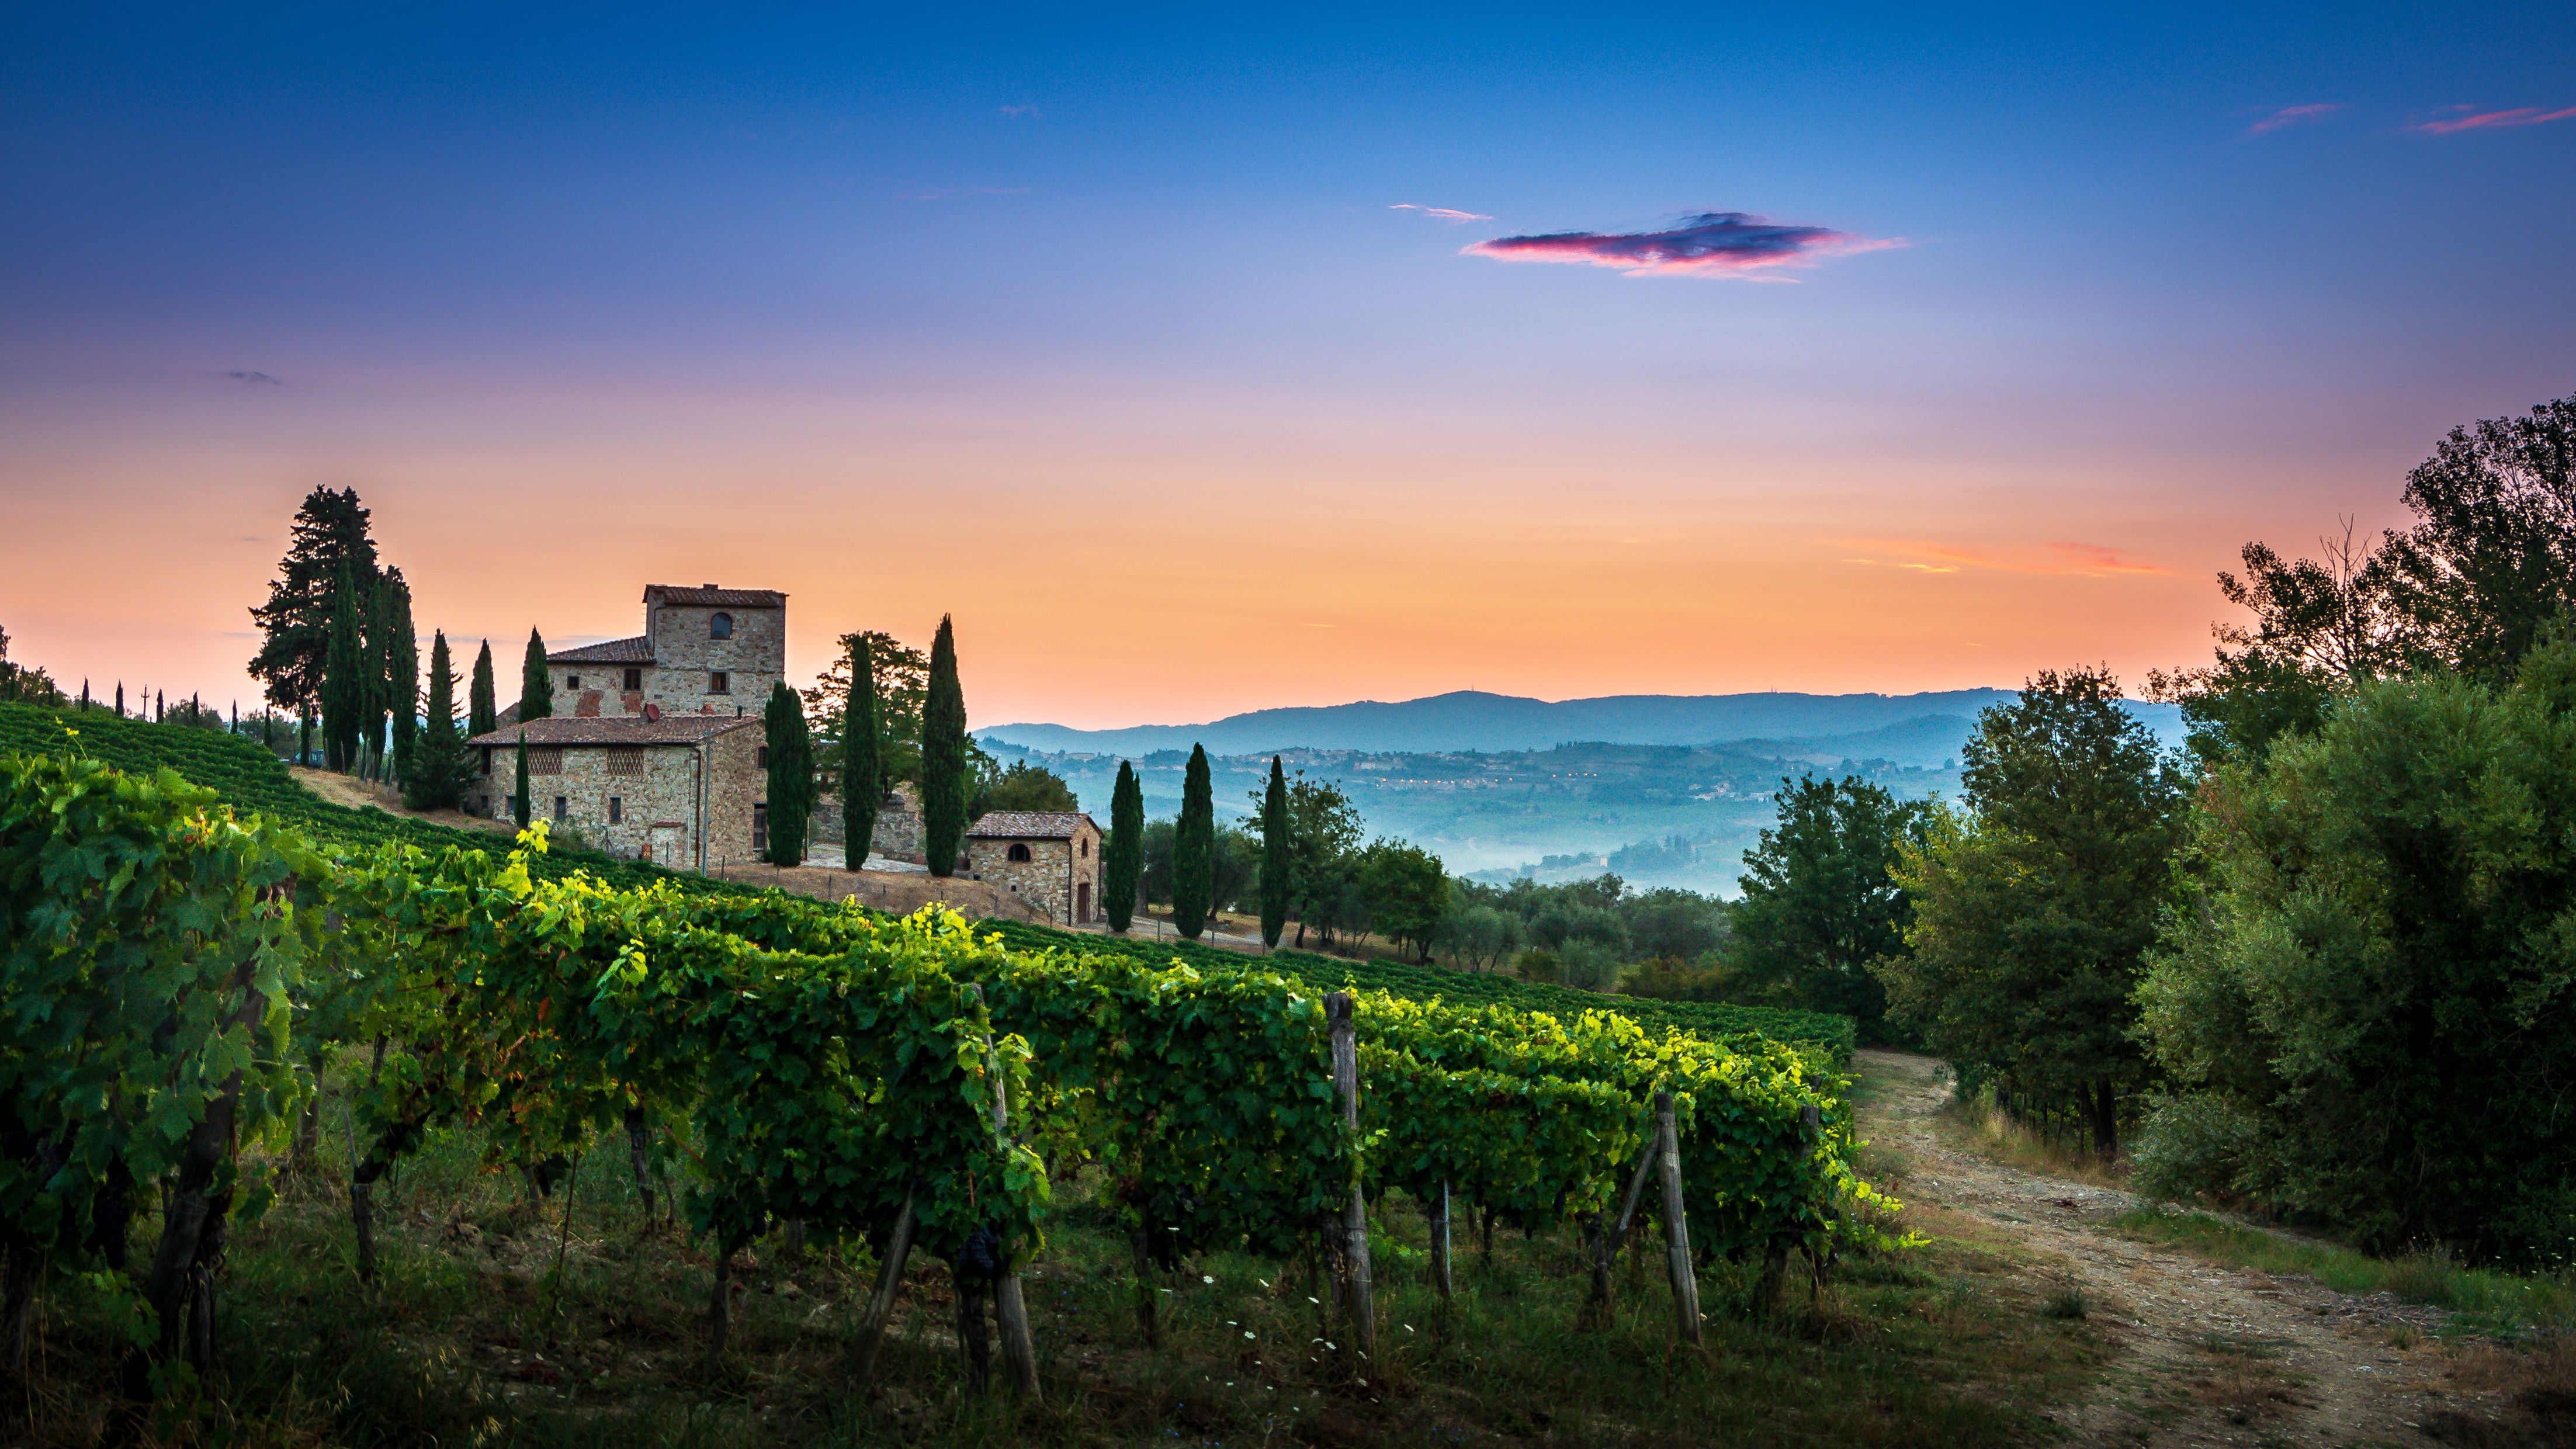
(2204,1354)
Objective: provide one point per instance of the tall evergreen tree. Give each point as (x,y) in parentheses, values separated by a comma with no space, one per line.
(943,757)
(1193,848)
(1278,857)
(862,775)
(791,775)
(120,699)
(482,710)
(519,784)
(536,682)
(1125,854)
(344,689)
(436,764)
(329,533)
(375,687)
(84,695)
(402,672)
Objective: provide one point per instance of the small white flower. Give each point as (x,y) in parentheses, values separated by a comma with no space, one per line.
(1206,1278)
(1247,1333)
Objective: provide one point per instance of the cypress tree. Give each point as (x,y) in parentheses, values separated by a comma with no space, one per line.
(862,775)
(402,674)
(160,707)
(482,712)
(943,757)
(329,535)
(791,775)
(536,683)
(1126,850)
(120,699)
(1194,848)
(435,764)
(343,678)
(1275,857)
(84,695)
(519,800)
(374,689)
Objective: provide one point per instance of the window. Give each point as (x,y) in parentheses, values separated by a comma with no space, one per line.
(719,682)
(563,808)
(572,681)
(760,758)
(626,759)
(487,760)
(634,679)
(616,809)
(545,759)
(1086,847)
(1019,853)
(720,626)
(760,830)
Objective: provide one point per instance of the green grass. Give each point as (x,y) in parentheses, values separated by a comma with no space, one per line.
(2480,1300)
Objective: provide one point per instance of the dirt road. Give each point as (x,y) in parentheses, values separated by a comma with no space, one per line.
(2204,1354)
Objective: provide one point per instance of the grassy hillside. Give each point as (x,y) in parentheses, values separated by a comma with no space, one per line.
(251,780)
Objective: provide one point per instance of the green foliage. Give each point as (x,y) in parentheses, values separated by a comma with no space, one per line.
(902,677)
(2364,1009)
(345,686)
(2491,561)
(863,778)
(1819,906)
(25,684)
(437,767)
(1025,785)
(1408,893)
(2033,914)
(519,804)
(943,757)
(536,682)
(402,670)
(1124,854)
(1193,841)
(329,536)
(483,712)
(791,776)
(1278,855)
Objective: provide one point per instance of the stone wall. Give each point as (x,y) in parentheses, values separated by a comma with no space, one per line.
(656,810)
(1053,878)
(683,656)
(898,834)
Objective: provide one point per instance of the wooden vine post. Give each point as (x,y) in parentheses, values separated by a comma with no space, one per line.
(1677,1253)
(1606,1240)
(1010,1306)
(898,1248)
(1355,1247)
(1440,1243)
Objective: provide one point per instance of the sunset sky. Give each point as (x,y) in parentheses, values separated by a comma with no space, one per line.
(1209,359)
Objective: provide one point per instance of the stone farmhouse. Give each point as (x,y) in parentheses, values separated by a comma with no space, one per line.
(1050,859)
(658,751)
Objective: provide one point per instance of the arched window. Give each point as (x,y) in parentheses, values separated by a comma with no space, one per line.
(720,626)
(1019,853)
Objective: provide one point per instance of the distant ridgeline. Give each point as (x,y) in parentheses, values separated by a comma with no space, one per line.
(250,779)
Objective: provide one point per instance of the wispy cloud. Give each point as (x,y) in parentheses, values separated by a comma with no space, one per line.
(952,193)
(1441,212)
(257,379)
(1710,244)
(2470,118)
(1020,113)
(2293,116)
(2087,560)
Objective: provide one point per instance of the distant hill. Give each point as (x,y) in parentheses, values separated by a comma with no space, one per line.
(1918,728)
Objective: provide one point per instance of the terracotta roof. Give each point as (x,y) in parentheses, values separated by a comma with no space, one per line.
(638,650)
(1030,825)
(670,729)
(709,596)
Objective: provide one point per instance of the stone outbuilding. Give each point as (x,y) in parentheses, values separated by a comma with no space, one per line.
(1051,859)
(704,650)
(683,790)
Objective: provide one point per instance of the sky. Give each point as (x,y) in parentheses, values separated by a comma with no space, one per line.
(1201,360)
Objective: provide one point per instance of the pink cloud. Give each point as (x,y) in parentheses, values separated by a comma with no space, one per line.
(2293,116)
(2477,120)
(1442,212)
(2086,560)
(1711,244)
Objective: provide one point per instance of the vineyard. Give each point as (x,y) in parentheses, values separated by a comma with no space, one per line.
(183,979)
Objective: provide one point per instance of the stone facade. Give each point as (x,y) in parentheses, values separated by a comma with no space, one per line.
(1048,859)
(898,832)
(704,650)
(682,792)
